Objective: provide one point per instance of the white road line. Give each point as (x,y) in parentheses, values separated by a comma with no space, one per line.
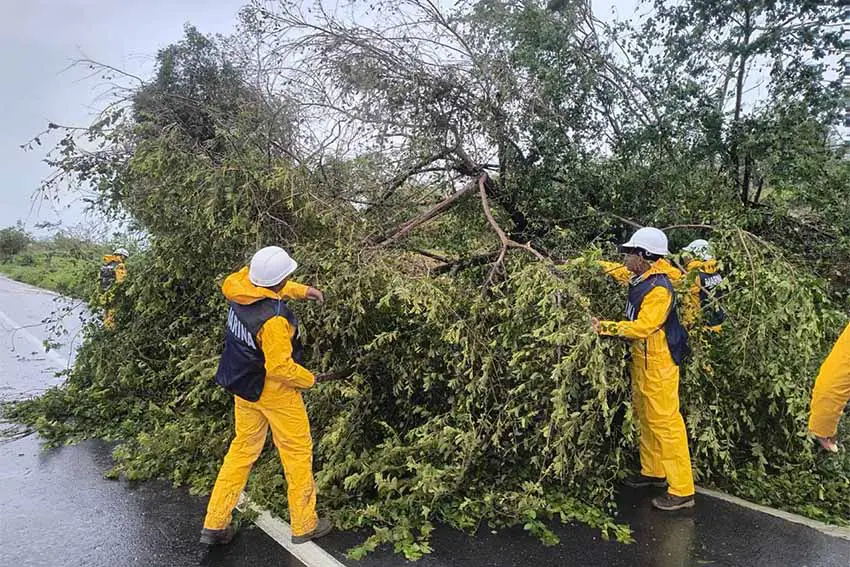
(18,329)
(308,553)
(834,531)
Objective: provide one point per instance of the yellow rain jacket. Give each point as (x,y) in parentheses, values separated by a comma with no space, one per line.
(107,296)
(832,389)
(693,307)
(280,408)
(664,449)
(120,269)
(648,340)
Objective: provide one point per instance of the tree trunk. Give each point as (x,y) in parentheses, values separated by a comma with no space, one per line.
(745,181)
(746,33)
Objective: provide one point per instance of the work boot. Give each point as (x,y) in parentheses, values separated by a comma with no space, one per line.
(324,527)
(828,444)
(670,502)
(218,537)
(642,481)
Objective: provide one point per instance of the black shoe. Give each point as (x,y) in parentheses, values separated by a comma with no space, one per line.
(324,527)
(669,502)
(641,481)
(218,537)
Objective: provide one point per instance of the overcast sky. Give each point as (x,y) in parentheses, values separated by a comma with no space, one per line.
(40,38)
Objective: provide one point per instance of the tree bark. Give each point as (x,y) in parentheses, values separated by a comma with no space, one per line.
(746,33)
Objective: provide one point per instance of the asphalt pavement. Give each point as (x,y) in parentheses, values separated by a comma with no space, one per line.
(57,509)
(715,533)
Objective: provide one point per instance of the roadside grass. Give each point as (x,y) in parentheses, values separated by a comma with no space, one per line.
(69,272)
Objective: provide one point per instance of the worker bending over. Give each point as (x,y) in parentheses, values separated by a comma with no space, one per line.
(831,394)
(701,302)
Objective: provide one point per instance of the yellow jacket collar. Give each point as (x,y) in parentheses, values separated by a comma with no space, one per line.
(237,287)
(661,266)
(707,266)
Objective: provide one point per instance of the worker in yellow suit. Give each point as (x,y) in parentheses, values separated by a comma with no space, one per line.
(703,274)
(658,346)
(113,272)
(262,366)
(831,394)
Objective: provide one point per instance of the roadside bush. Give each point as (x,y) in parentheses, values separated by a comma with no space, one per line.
(13,241)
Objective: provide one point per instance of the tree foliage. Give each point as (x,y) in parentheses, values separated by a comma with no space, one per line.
(13,241)
(426,189)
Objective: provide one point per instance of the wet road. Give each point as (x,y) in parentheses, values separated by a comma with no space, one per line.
(28,317)
(716,534)
(56,508)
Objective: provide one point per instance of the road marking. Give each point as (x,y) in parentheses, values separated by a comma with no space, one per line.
(18,329)
(314,556)
(834,531)
(308,553)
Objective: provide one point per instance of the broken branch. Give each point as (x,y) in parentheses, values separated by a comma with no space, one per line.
(432,213)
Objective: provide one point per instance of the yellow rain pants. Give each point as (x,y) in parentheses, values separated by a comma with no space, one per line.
(832,389)
(663,438)
(282,409)
(664,449)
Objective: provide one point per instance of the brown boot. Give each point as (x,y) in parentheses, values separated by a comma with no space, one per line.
(642,481)
(322,528)
(670,502)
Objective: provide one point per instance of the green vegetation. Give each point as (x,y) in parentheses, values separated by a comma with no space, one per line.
(425,190)
(13,240)
(63,264)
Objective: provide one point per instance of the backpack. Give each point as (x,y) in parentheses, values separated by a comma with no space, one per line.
(107,275)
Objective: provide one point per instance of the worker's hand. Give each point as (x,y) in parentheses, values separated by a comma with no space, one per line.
(595,325)
(316,295)
(338,375)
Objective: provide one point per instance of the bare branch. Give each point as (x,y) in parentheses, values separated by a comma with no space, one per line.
(503,238)
(436,211)
(418,167)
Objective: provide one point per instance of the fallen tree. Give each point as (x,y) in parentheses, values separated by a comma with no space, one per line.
(479,393)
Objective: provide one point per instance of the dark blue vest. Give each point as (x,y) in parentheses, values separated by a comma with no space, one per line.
(242,368)
(677,337)
(712,315)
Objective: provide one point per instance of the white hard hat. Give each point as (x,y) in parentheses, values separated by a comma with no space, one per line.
(121,252)
(699,248)
(650,239)
(270,266)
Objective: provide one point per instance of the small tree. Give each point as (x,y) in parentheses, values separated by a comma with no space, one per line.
(13,241)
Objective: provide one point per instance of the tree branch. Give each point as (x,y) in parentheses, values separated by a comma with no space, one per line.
(466,263)
(432,213)
(402,177)
(503,238)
